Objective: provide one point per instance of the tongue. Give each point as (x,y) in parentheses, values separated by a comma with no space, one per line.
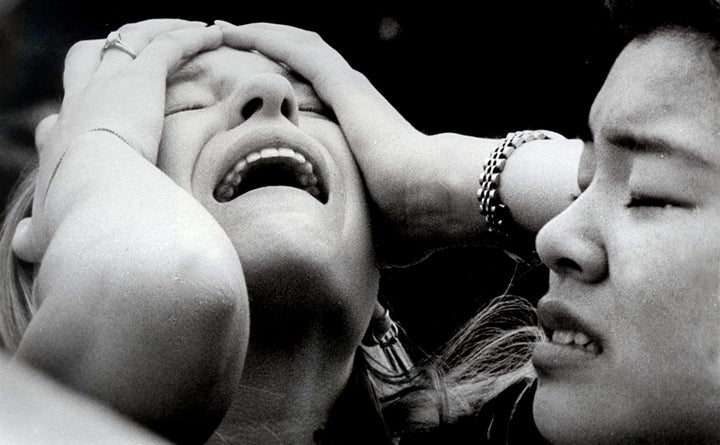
(268,175)
(255,173)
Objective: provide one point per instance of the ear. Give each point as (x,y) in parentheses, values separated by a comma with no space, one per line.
(25,244)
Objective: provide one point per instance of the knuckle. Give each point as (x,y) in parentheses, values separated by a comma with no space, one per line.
(43,129)
(313,37)
(169,38)
(128,28)
(78,48)
(46,122)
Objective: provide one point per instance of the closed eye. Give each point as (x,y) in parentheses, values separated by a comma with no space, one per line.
(317,109)
(647,201)
(324,116)
(184,108)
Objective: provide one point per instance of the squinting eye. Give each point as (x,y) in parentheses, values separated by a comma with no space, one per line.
(321,112)
(646,201)
(184,108)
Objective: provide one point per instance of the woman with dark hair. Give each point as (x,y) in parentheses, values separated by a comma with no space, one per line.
(195,249)
(632,353)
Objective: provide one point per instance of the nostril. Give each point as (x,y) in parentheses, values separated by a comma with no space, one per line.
(251,107)
(285,108)
(567,264)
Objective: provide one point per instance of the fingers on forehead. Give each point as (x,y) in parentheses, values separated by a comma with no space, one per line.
(175,46)
(266,41)
(249,36)
(276,30)
(81,62)
(142,33)
(159,26)
(281,42)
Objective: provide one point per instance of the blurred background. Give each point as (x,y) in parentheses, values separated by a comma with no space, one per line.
(483,68)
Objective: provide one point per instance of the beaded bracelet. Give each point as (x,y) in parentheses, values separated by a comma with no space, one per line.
(496,213)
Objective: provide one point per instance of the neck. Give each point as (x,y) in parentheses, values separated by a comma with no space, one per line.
(286,394)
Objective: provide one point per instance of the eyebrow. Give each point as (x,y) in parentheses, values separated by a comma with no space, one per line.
(190,71)
(655,144)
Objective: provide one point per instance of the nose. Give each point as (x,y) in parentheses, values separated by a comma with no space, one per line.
(571,243)
(268,96)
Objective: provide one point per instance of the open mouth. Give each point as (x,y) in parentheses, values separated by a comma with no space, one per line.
(565,327)
(574,339)
(271,167)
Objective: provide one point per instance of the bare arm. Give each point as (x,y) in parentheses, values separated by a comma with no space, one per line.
(441,208)
(36,410)
(142,300)
(141,294)
(424,185)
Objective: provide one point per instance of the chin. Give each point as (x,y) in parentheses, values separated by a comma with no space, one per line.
(305,286)
(562,421)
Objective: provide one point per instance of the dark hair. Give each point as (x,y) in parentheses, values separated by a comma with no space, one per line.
(640,18)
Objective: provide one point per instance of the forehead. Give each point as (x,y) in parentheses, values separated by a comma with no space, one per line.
(665,85)
(230,58)
(669,72)
(226,63)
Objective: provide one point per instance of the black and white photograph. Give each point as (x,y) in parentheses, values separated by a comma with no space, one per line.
(250,223)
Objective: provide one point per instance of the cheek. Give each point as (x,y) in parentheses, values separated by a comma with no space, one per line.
(669,300)
(666,338)
(697,309)
(183,139)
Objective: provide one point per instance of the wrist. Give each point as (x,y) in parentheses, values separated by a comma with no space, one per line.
(540,180)
(441,208)
(94,164)
(100,136)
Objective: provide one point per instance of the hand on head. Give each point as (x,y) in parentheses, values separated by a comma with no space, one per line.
(169,316)
(392,155)
(109,89)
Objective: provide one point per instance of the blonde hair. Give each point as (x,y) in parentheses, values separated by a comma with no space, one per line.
(489,354)
(16,276)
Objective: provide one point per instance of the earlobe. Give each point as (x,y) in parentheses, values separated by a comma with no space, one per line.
(25,244)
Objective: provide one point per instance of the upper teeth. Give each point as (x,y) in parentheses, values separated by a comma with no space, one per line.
(227,188)
(575,338)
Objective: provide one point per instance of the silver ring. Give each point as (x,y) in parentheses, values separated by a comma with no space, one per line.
(114,41)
